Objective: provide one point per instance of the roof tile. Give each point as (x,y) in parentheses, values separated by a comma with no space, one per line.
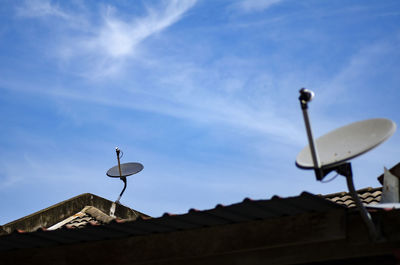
(368,196)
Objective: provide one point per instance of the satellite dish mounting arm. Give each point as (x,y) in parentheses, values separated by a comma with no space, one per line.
(123,178)
(305,97)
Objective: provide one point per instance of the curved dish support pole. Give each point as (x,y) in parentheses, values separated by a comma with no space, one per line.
(345,170)
(122,192)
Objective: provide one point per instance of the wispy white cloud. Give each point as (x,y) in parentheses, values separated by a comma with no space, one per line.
(100,47)
(117,38)
(106,47)
(248,6)
(40,8)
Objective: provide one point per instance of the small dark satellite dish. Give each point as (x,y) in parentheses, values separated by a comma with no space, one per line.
(127,169)
(332,151)
(123,170)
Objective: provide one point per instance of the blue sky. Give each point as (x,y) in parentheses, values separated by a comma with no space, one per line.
(203,93)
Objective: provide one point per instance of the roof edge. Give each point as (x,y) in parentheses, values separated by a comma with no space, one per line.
(60,211)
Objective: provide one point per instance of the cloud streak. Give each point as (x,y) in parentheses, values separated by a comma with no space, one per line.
(40,8)
(97,48)
(197,105)
(105,48)
(117,38)
(248,6)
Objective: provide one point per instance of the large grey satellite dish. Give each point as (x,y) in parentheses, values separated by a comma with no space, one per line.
(347,142)
(123,170)
(332,151)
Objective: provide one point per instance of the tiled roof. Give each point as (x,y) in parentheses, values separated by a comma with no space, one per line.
(88,215)
(82,221)
(247,210)
(368,196)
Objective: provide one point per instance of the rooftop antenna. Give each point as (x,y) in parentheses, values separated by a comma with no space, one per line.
(332,151)
(123,170)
